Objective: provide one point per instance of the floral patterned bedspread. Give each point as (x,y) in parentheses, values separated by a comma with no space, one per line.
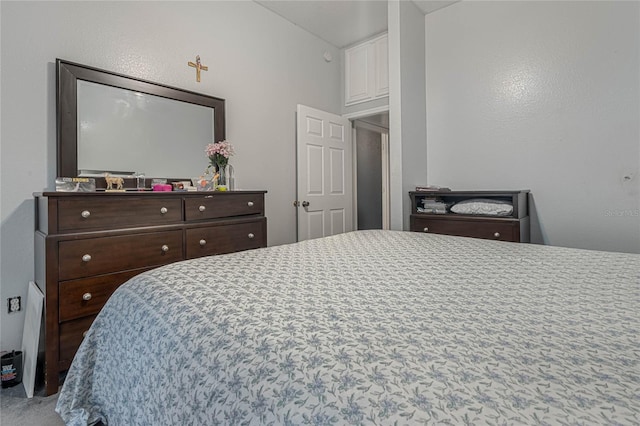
(368,327)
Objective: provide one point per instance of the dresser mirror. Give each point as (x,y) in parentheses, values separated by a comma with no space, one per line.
(113,123)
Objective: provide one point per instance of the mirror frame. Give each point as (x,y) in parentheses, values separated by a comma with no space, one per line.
(67,75)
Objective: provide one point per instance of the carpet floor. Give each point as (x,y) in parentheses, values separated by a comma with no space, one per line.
(18,410)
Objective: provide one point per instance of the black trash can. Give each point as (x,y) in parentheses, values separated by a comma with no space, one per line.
(11,369)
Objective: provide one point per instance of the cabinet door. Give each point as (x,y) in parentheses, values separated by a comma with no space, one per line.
(381,67)
(357,73)
(366,71)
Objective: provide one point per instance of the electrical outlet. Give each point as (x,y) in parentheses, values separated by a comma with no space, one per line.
(14,304)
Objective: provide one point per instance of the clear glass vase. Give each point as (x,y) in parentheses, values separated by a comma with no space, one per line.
(222,172)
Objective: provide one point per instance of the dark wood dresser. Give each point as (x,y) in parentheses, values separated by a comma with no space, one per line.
(514,227)
(88,244)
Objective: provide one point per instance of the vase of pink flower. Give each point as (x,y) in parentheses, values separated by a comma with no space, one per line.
(219,153)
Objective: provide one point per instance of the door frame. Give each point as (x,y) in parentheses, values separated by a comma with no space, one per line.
(386,171)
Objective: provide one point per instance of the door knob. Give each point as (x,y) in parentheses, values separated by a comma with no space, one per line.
(305,204)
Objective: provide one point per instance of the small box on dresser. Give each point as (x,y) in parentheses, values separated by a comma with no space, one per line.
(513,227)
(88,244)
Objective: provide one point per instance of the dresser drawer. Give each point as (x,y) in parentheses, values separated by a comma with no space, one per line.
(95,256)
(117,212)
(80,298)
(211,240)
(71,335)
(487,228)
(223,205)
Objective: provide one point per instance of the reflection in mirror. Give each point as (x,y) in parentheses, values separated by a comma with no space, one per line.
(110,122)
(119,130)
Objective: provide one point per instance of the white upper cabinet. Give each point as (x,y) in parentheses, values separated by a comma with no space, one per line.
(366,71)
(382,67)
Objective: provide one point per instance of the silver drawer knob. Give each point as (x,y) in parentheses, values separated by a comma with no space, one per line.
(497,235)
(425,229)
(163,210)
(165,248)
(84,333)
(203,242)
(250,203)
(85,214)
(250,235)
(202,208)
(86,296)
(86,258)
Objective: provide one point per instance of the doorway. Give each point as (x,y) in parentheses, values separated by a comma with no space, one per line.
(371,154)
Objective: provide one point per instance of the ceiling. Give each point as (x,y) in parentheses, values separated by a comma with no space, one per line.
(342,22)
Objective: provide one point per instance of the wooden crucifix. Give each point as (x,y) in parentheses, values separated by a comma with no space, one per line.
(198,66)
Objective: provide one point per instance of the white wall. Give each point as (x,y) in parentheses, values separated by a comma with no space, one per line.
(542,96)
(261,64)
(407,109)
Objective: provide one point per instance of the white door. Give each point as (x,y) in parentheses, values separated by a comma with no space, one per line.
(324,163)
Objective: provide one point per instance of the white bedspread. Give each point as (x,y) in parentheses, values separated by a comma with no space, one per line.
(369,327)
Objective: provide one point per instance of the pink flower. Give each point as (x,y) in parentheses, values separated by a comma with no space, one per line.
(219,152)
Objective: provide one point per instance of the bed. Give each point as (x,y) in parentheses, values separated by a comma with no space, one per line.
(368,327)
